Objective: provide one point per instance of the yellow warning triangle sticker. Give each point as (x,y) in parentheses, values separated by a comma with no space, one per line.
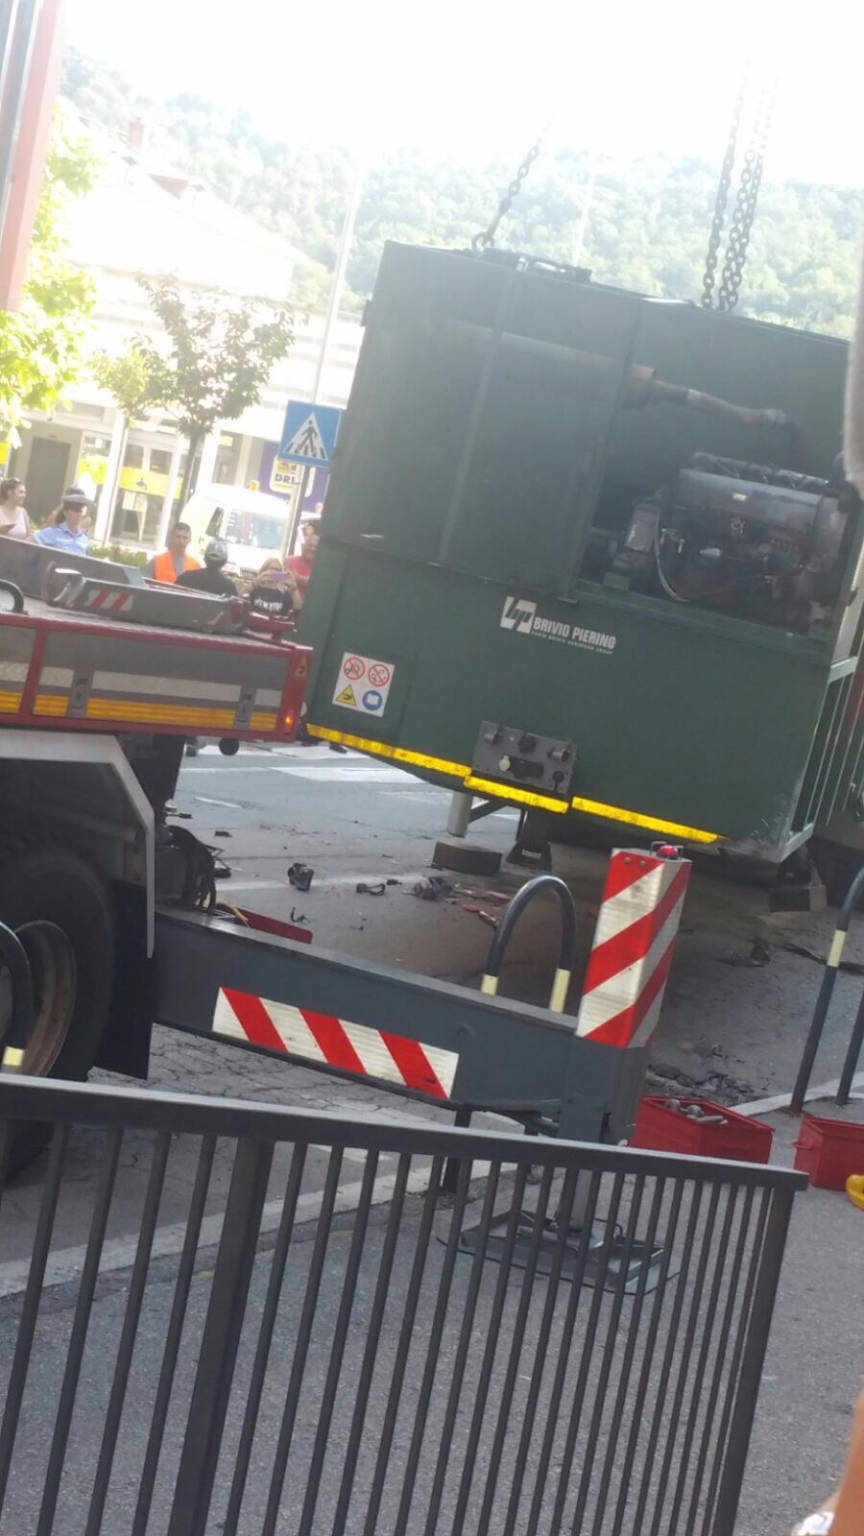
(346,696)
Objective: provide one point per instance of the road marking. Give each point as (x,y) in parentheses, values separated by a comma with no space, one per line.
(783,1100)
(230,805)
(65,1265)
(360,773)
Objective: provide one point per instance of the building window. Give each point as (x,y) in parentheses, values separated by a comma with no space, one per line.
(134,458)
(160,461)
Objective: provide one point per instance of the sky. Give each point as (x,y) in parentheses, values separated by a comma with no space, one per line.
(463,77)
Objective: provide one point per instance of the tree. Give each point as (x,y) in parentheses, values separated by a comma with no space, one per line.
(219,357)
(41,341)
(130,380)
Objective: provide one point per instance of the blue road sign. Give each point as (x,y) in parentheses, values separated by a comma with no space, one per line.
(309,432)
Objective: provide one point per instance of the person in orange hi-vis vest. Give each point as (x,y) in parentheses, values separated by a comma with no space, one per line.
(174,560)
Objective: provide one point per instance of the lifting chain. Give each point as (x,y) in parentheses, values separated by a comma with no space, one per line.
(741,225)
(723,188)
(485,238)
(745,203)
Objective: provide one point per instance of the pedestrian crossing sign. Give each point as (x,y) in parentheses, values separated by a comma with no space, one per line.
(309,433)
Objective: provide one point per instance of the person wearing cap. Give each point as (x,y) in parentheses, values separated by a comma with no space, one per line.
(64,532)
(212,577)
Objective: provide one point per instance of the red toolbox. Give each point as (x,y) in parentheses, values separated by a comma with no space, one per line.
(829,1150)
(667,1130)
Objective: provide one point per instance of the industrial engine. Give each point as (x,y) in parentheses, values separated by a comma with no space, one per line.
(763,543)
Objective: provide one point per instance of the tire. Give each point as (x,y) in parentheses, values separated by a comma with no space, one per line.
(61,910)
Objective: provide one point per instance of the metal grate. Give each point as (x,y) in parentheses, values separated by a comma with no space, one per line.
(326,1357)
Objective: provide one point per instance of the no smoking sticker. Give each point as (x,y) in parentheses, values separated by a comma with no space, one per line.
(363,684)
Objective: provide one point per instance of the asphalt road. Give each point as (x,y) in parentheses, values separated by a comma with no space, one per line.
(729,1030)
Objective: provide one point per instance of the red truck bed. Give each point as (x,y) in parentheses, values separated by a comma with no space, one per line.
(64,670)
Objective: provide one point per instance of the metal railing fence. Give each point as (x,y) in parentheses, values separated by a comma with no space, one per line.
(264,1323)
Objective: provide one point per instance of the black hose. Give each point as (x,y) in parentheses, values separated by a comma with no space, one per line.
(504,933)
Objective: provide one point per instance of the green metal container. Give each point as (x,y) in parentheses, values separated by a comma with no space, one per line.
(504,421)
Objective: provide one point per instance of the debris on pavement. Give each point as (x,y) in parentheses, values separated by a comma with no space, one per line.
(363,888)
(485,917)
(497,898)
(301,876)
(431,888)
(759,955)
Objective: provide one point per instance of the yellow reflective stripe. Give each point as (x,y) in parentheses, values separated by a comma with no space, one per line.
(160,714)
(51,704)
(261,720)
(651,823)
(560,988)
(9,703)
(509,792)
(398,754)
(838,944)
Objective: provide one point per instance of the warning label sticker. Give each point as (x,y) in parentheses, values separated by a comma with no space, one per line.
(363,684)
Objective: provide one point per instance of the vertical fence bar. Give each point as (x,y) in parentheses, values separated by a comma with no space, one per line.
(149,1217)
(340,1334)
(629,1351)
(747,1390)
(668,1355)
(229,1291)
(265,1338)
(78,1336)
(30,1308)
(608,1355)
(516,1342)
(684,1362)
(301,1348)
(439,1319)
(373,1334)
(719,1359)
(172,1338)
(707,1332)
(370,1526)
(554,1407)
(587,1352)
(565,1207)
(457,1369)
(737,1352)
(492,1332)
(648,1353)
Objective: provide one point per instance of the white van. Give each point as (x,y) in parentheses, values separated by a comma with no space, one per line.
(253,524)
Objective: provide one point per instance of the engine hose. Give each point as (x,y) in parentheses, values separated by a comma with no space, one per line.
(666,585)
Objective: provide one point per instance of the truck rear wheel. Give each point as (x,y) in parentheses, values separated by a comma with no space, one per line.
(60,909)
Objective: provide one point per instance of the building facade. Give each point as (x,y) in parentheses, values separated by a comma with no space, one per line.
(147,218)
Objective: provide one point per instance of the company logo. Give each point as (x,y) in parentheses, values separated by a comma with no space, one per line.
(518,614)
(521,615)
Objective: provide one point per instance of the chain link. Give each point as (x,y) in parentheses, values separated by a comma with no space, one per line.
(723,188)
(745,203)
(485,238)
